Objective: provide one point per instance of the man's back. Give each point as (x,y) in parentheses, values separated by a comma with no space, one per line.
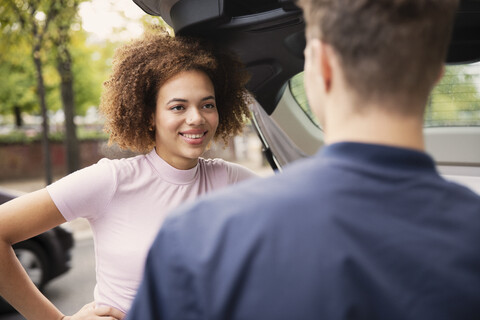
(357,232)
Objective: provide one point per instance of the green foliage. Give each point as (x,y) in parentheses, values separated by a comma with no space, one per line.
(16,66)
(23,27)
(17,137)
(19,89)
(24,137)
(455,101)
(91,61)
(52,83)
(91,65)
(154,21)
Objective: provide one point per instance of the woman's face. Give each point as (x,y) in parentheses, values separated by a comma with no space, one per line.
(186,118)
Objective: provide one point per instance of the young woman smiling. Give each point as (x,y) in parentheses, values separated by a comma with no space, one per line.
(186,118)
(167,98)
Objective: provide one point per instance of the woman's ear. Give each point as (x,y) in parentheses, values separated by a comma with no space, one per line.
(151,127)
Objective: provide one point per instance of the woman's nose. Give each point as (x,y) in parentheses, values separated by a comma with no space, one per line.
(195,117)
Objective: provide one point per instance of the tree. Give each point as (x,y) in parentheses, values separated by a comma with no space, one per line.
(61,39)
(91,64)
(34,18)
(17,94)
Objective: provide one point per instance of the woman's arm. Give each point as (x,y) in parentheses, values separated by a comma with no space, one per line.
(20,219)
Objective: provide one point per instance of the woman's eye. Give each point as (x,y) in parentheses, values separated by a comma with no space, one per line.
(209,106)
(177,108)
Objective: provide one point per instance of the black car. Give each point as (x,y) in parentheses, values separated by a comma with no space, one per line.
(45,256)
(268,36)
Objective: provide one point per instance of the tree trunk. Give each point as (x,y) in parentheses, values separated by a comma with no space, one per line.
(66,75)
(43,106)
(18,116)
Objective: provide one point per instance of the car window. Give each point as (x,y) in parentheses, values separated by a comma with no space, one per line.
(297,89)
(455,101)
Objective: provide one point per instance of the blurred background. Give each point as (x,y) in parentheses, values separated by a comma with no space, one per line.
(54,57)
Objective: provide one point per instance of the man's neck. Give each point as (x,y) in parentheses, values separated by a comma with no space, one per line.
(376,128)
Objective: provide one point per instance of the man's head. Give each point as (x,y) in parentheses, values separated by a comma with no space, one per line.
(390,50)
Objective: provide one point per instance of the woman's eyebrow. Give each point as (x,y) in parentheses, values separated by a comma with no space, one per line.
(177,100)
(208,98)
(185,100)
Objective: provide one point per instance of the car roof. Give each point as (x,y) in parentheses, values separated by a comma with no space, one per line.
(268,35)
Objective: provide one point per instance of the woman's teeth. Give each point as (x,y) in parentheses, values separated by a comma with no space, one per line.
(193,136)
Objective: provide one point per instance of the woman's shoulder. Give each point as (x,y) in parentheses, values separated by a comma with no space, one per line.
(235,172)
(124,163)
(214,164)
(126,167)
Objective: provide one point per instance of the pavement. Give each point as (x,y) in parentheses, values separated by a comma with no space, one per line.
(80,227)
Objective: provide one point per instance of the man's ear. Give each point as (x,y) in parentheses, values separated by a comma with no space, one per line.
(322,57)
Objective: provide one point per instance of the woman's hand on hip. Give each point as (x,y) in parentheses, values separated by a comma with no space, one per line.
(91,312)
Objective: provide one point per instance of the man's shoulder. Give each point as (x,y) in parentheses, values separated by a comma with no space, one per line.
(460,198)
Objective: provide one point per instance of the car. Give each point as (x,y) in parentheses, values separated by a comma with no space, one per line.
(268,36)
(45,256)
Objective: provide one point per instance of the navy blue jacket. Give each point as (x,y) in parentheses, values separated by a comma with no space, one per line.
(356,232)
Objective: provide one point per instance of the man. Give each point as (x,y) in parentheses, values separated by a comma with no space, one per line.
(365,229)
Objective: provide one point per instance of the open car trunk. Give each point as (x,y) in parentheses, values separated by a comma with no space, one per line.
(268,36)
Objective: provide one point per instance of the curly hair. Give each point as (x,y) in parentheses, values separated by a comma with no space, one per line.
(142,66)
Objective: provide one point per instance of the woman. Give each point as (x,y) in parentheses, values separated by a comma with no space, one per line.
(166,98)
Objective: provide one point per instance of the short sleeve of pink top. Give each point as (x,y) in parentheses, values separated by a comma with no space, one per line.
(126,202)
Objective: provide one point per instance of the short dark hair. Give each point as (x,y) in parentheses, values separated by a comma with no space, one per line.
(141,67)
(387,48)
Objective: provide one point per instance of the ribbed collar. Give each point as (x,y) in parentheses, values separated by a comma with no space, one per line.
(380,156)
(169,173)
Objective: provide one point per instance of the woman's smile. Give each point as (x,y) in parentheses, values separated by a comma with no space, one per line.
(194,137)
